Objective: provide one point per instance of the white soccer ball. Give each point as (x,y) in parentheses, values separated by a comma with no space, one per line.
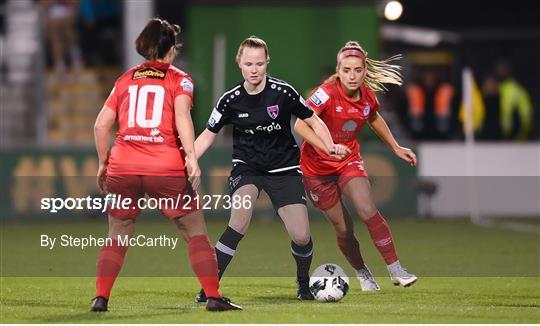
(329,283)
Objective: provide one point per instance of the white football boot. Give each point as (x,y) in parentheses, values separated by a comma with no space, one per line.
(367,282)
(400,276)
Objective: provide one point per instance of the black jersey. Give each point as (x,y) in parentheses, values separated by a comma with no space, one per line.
(262,135)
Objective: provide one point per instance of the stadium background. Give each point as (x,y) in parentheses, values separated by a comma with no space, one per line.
(467,217)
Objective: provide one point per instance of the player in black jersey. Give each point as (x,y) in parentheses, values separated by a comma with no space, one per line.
(265,155)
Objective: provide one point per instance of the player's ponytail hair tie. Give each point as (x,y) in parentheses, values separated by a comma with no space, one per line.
(379,72)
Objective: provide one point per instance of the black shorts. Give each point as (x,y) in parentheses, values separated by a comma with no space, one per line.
(283,188)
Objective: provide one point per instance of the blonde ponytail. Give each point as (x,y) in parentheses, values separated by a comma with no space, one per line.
(379,72)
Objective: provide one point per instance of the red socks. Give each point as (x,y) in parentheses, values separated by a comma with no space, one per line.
(382,237)
(201,255)
(109,264)
(350,248)
(203,261)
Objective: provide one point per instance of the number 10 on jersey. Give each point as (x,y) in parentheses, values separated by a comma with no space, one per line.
(138,100)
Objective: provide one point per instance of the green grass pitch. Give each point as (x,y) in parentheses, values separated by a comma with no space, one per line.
(467,274)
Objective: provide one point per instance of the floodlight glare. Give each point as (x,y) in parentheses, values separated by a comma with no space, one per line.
(393,10)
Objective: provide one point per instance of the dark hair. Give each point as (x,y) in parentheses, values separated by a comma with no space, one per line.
(156,39)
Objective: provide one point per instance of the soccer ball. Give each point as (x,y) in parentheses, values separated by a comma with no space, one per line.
(329,283)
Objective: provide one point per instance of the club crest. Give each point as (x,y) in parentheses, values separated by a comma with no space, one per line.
(273,111)
(366,110)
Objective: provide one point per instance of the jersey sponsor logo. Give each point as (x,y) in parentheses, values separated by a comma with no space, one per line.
(145,139)
(352,110)
(149,72)
(350,125)
(319,97)
(214,117)
(243,115)
(187,85)
(269,128)
(366,110)
(339,109)
(154,132)
(273,111)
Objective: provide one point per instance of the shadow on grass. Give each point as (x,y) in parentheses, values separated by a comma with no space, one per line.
(105,317)
(145,293)
(113,315)
(275,299)
(34,303)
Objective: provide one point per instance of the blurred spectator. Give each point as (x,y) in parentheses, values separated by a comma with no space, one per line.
(60,17)
(491,126)
(516,114)
(101,29)
(430,109)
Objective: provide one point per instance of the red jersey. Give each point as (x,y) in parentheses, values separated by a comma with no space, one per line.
(344,118)
(147,140)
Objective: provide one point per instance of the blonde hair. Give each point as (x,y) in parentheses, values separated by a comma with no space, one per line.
(252,42)
(379,72)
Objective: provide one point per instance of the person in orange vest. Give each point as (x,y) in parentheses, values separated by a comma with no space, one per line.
(429,107)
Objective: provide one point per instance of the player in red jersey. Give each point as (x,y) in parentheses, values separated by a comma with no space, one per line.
(153,153)
(346,102)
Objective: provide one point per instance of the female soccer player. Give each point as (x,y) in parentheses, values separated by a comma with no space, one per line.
(265,155)
(152,104)
(345,102)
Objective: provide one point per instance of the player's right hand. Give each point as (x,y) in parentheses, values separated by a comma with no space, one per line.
(194,172)
(406,154)
(101,177)
(340,151)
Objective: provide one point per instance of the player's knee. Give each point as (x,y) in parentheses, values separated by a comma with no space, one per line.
(118,227)
(367,211)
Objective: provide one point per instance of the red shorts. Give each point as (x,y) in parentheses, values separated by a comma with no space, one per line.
(173,196)
(325,191)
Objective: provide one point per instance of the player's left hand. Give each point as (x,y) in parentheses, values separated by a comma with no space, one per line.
(407,155)
(101,177)
(194,172)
